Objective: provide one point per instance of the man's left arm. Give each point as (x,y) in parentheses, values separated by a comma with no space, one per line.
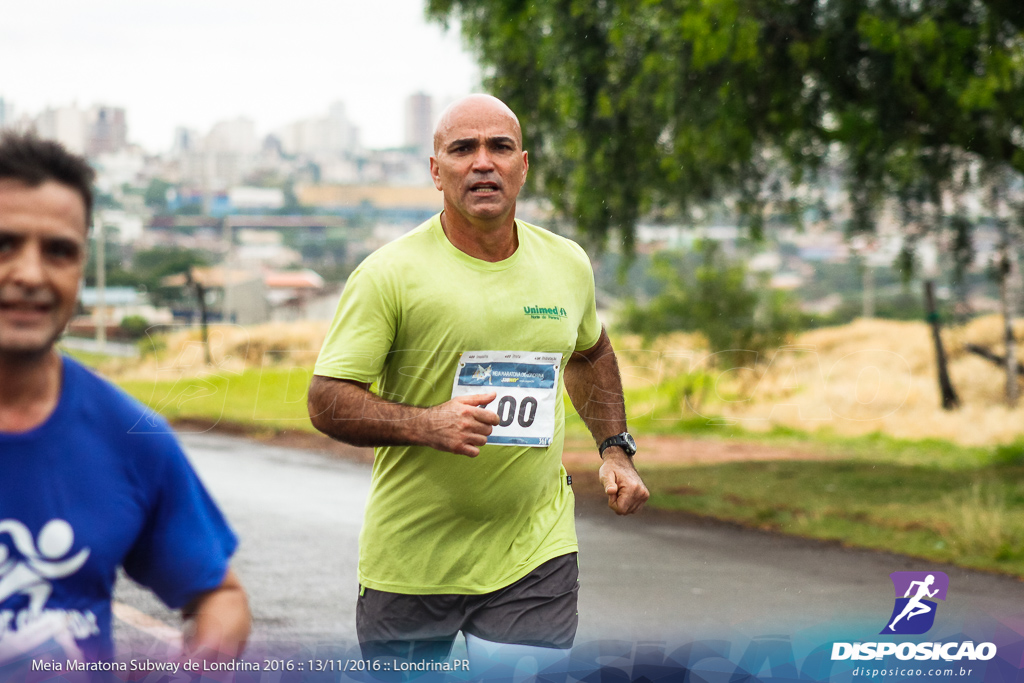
(219,621)
(595,388)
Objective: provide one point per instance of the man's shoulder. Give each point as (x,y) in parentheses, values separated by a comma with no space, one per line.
(554,242)
(100,399)
(398,252)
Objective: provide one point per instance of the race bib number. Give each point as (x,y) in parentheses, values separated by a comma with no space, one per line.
(527,386)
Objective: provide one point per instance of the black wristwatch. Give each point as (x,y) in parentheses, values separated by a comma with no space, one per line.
(623,441)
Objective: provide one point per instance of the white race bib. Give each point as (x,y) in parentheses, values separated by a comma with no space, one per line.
(526,383)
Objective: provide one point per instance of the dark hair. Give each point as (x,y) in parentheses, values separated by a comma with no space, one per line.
(33,161)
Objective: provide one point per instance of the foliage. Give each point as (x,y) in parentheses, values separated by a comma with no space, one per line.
(153,264)
(134,326)
(1010,455)
(190,210)
(714,296)
(150,266)
(631,106)
(155,194)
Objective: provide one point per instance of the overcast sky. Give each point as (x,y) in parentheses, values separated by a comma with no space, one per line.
(194,62)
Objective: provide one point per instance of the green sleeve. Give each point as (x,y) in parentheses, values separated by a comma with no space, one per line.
(589,330)
(363,330)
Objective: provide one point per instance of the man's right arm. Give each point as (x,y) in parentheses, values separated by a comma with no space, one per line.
(348,411)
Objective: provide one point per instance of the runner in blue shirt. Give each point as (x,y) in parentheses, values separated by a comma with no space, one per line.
(84,489)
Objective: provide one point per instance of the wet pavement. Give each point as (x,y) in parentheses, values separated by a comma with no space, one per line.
(654,576)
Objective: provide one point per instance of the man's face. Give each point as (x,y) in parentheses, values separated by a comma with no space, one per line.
(42,252)
(479,162)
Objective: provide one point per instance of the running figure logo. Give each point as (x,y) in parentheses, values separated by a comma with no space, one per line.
(40,561)
(482,374)
(914,613)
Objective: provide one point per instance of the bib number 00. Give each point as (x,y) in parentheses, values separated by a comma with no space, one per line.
(507,411)
(526,384)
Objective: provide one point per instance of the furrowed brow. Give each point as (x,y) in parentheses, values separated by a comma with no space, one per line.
(462,142)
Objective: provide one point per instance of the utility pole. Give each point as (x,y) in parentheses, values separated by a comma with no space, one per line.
(100,315)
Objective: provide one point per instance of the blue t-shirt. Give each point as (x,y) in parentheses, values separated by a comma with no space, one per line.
(101,484)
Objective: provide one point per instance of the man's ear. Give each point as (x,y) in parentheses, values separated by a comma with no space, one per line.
(435,172)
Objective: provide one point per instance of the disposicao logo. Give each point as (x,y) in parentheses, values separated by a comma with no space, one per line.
(913,614)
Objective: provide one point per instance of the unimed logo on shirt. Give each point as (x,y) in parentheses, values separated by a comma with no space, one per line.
(550,312)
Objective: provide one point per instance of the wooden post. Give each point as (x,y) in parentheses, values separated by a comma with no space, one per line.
(949,398)
(200,293)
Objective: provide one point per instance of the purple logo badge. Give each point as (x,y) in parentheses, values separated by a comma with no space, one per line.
(916,592)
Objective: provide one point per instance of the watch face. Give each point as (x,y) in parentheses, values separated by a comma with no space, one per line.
(630,443)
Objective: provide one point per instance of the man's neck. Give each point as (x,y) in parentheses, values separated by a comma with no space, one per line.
(488,241)
(29,390)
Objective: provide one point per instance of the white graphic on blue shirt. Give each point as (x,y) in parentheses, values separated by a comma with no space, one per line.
(29,573)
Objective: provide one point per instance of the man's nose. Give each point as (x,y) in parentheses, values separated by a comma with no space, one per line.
(482,160)
(28,266)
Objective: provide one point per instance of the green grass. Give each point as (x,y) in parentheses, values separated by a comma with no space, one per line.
(971,518)
(267,399)
(87,358)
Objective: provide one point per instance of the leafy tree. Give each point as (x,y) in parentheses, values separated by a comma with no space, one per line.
(150,266)
(134,326)
(632,105)
(155,194)
(705,292)
(931,111)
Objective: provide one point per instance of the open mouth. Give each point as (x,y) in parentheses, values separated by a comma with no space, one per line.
(483,188)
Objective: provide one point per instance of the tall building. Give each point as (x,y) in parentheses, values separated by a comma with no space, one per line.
(237,136)
(108,130)
(330,135)
(185,140)
(419,122)
(343,136)
(67,125)
(98,130)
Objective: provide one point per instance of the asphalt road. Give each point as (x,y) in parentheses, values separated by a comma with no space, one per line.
(648,577)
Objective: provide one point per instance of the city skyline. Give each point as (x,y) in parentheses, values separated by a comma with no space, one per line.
(191,64)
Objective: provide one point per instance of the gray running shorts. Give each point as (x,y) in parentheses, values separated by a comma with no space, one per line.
(538,609)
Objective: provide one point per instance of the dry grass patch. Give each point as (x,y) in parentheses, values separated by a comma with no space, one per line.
(865,377)
(871,376)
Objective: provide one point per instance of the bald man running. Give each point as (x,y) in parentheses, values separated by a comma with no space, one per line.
(468,328)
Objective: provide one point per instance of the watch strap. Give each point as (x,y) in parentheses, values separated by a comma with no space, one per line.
(622,440)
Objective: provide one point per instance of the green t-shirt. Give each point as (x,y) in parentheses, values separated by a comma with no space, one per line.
(438,522)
